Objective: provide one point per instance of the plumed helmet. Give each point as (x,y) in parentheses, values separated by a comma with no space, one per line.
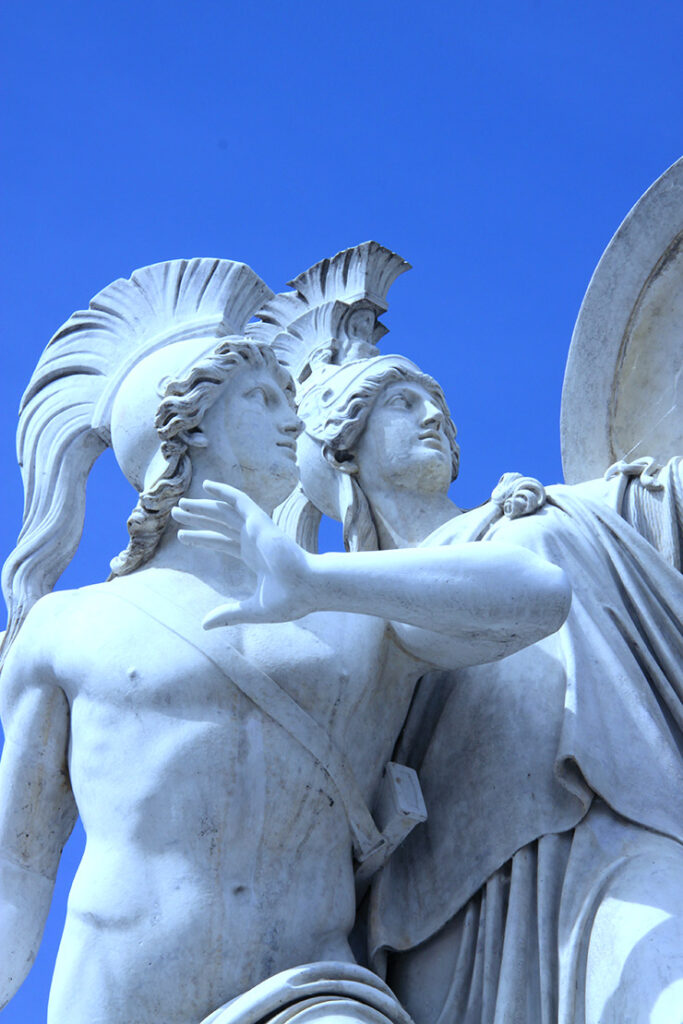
(115,353)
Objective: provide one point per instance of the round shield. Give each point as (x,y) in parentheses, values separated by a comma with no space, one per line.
(623,387)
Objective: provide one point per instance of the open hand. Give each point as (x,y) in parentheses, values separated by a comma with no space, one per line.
(231,523)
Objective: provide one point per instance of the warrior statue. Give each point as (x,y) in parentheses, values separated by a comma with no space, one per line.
(224,777)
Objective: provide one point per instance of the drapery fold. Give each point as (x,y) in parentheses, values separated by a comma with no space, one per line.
(519,750)
(520,950)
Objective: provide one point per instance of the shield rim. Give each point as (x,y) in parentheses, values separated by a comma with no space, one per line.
(644,237)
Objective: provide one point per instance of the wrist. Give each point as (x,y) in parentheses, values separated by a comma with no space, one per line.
(313,583)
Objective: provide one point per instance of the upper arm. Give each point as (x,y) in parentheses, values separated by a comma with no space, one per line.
(37,808)
(452,652)
(511,597)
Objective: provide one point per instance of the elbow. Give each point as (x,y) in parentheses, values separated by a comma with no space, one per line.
(554,599)
(542,598)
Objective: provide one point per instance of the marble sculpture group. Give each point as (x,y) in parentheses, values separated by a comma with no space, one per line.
(436,778)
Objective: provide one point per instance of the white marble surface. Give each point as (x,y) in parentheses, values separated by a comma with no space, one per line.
(221,818)
(223,710)
(623,387)
(315,993)
(552,778)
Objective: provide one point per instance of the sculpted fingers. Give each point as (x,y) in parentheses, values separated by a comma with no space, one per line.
(239,503)
(198,521)
(230,495)
(216,510)
(209,507)
(210,539)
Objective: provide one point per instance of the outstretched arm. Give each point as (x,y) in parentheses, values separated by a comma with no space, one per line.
(450,606)
(37,809)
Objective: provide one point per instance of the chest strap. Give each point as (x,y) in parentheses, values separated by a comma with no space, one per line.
(369,845)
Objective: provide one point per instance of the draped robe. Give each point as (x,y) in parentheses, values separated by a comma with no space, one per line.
(548,775)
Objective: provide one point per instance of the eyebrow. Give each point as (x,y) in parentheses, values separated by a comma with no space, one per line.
(400,389)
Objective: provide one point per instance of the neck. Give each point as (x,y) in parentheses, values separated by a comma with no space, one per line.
(405,519)
(224,574)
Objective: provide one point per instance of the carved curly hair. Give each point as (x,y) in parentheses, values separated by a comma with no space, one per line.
(177,421)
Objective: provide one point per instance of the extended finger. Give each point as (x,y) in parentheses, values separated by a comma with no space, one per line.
(209,539)
(224,492)
(200,522)
(236,499)
(233,613)
(210,509)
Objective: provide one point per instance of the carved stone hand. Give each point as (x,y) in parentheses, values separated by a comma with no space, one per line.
(234,525)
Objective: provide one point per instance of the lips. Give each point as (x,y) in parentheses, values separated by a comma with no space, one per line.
(289,446)
(432,435)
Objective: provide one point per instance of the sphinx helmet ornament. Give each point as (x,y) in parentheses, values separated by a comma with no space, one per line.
(326,333)
(332,314)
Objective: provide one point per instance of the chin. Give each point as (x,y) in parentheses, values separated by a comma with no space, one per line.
(269,485)
(432,475)
(282,483)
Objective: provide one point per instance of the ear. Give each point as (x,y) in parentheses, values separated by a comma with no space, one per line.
(195,438)
(344,462)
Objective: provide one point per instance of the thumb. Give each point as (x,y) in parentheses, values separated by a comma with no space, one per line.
(233,613)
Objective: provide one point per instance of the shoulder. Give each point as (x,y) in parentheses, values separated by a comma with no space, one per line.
(600,490)
(50,622)
(28,674)
(40,627)
(53,626)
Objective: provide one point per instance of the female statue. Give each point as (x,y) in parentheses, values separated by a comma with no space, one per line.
(545,884)
(552,778)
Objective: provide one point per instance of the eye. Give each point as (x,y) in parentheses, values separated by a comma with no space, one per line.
(400,400)
(259,393)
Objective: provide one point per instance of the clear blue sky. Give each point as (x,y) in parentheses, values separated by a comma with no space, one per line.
(496,146)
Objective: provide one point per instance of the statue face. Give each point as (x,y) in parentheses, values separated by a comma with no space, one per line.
(361,324)
(251,432)
(404,444)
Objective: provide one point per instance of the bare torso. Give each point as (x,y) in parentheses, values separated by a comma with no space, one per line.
(217,850)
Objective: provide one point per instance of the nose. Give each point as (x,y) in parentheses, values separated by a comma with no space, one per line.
(291,424)
(432,415)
